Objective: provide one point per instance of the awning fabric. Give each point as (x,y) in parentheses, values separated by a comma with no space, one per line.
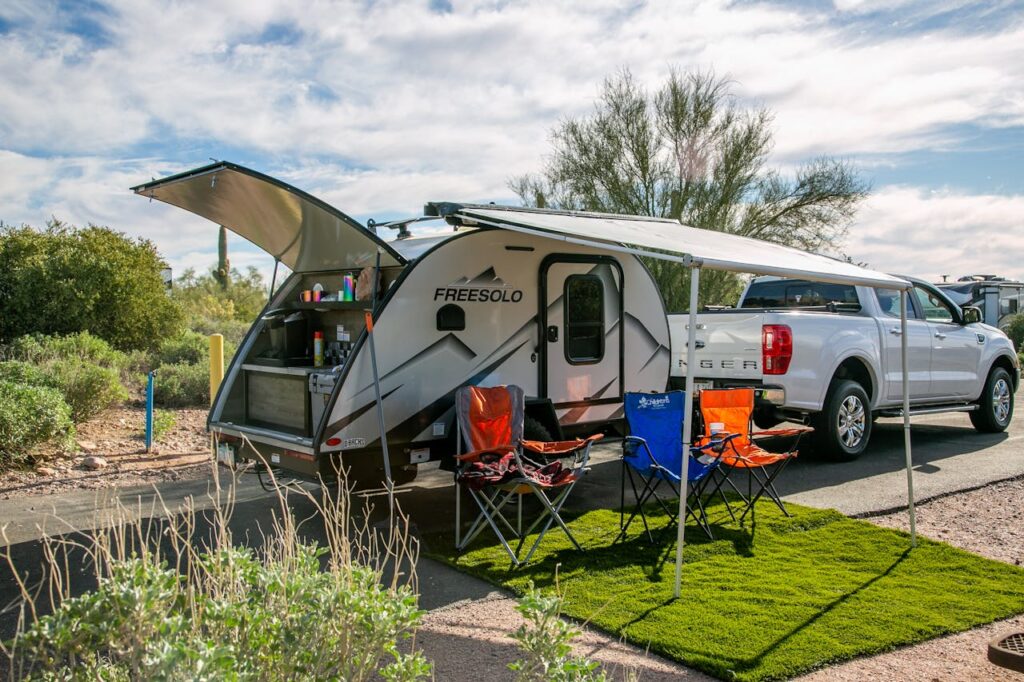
(670,240)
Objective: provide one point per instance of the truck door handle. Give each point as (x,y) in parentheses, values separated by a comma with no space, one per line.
(552,334)
(896,331)
(698,344)
(940,335)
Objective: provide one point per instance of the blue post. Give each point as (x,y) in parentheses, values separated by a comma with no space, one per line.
(149,410)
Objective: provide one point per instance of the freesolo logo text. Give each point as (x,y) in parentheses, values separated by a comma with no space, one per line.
(486,287)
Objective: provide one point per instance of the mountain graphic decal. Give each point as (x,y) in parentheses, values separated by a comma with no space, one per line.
(487,278)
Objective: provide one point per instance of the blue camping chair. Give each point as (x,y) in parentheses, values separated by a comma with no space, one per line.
(652,455)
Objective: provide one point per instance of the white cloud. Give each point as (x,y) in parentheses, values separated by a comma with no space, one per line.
(378,107)
(916,231)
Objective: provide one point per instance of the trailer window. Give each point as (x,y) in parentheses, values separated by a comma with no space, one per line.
(584,319)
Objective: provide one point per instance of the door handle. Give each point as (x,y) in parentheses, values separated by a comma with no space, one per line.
(940,335)
(552,334)
(896,331)
(698,344)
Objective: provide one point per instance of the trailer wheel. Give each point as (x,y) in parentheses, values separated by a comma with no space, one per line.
(843,428)
(995,407)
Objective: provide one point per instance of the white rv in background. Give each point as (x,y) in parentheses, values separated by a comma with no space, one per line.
(575,326)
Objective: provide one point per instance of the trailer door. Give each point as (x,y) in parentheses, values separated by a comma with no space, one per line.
(581,334)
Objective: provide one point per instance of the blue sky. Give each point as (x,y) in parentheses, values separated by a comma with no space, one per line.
(377,107)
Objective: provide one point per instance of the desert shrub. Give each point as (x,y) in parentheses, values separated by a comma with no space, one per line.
(25,374)
(202,296)
(233,331)
(1015,330)
(64,279)
(545,642)
(163,422)
(29,417)
(189,347)
(84,368)
(182,385)
(173,611)
(87,388)
(40,349)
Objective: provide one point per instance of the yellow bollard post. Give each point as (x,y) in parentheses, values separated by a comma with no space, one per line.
(216,364)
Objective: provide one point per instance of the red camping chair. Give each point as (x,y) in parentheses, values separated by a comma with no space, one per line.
(501,466)
(734,409)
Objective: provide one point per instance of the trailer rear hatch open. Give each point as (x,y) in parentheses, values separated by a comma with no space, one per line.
(296,228)
(272,394)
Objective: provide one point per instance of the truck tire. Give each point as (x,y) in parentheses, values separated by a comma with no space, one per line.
(995,406)
(764,419)
(843,428)
(533,429)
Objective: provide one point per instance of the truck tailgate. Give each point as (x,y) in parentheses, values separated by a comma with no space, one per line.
(728,344)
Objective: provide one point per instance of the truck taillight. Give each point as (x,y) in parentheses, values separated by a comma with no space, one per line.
(776,348)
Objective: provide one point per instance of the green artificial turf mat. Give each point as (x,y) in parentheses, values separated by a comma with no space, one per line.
(801,592)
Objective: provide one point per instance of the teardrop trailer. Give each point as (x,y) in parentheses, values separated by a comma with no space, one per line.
(576,326)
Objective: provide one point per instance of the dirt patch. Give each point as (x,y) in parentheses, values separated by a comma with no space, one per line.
(112,454)
(988,521)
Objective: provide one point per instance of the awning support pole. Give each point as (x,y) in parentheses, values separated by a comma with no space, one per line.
(906,418)
(691,347)
(388,480)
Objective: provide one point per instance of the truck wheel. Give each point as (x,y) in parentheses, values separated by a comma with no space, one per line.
(533,429)
(765,419)
(842,429)
(995,407)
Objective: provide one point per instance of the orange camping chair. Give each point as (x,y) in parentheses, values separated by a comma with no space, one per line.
(501,466)
(734,409)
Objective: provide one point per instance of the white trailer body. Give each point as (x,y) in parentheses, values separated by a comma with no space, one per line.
(574,325)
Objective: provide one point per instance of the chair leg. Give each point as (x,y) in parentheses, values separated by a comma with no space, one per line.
(478,524)
(554,515)
(767,486)
(497,531)
(641,500)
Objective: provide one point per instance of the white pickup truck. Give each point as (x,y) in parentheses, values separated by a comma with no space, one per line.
(829,355)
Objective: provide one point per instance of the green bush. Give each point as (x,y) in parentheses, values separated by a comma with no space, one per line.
(189,347)
(88,389)
(286,610)
(182,385)
(1015,330)
(545,640)
(40,349)
(25,374)
(202,297)
(64,279)
(29,417)
(84,368)
(163,422)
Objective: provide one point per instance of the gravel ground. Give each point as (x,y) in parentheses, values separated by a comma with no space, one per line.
(470,641)
(988,521)
(116,436)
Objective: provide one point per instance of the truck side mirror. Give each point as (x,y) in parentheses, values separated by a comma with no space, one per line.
(972,314)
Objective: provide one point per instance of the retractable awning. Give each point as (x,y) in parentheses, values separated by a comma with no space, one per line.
(296,228)
(669,240)
(696,249)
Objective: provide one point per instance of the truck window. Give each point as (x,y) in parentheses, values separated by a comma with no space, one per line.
(584,319)
(789,293)
(935,309)
(889,303)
